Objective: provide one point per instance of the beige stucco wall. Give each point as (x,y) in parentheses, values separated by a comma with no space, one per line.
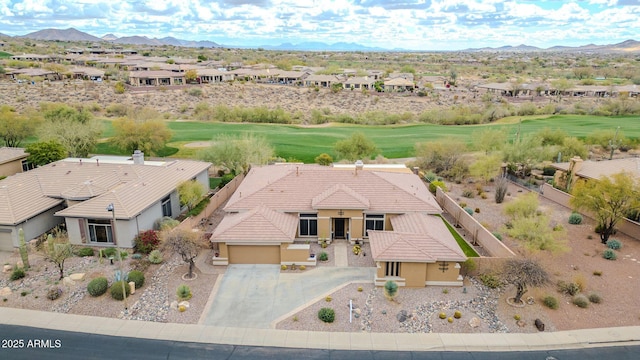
(435,274)
(352,227)
(11,167)
(413,273)
(297,254)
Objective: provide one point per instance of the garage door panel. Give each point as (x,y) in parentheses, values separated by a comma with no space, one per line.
(254,254)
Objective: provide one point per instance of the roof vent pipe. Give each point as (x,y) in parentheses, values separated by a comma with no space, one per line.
(359,166)
(138,157)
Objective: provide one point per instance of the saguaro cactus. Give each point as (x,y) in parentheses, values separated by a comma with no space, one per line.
(23,249)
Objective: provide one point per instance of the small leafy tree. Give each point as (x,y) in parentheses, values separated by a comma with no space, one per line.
(14,128)
(236,154)
(184,242)
(442,156)
(191,75)
(149,136)
(190,192)
(45,152)
(522,273)
(57,250)
(608,198)
(486,167)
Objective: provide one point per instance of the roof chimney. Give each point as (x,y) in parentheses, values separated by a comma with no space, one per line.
(138,157)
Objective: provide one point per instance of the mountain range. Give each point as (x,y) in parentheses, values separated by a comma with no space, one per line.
(72,34)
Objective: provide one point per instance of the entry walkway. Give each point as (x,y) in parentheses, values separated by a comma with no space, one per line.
(255,296)
(340,253)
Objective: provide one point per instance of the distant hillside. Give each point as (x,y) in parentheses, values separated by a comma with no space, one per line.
(70,34)
(137,40)
(109,37)
(3,35)
(188,43)
(320,46)
(625,46)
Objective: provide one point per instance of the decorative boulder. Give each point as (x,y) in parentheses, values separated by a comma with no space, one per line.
(402,316)
(474,322)
(539,325)
(5,291)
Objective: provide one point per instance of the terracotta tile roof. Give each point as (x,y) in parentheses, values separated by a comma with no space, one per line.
(8,154)
(132,188)
(598,169)
(293,188)
(258,225)
(340,196)
(415,238)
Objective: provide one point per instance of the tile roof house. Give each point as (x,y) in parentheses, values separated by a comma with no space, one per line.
(78,191)
(580,169)
(12,161)
(278,209)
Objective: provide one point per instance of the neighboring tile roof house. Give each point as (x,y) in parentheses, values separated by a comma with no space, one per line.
(597,169)
(83,188)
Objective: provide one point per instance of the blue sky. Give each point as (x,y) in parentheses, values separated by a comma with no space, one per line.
(408,24)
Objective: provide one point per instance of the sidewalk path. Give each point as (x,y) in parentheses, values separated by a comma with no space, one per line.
(340,253)
(255,296)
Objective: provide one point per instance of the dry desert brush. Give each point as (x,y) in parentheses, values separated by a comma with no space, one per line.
(184,242)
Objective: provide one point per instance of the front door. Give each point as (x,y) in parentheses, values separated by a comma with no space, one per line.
(338,228)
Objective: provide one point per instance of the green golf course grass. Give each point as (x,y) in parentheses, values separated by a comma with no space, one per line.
(305,143)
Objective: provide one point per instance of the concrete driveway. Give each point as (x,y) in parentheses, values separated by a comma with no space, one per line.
(253,296)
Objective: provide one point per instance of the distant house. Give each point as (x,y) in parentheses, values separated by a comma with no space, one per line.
(399,84)
(323,81)
(209,76)
(278,209)
(577,169)
(12,161)
(88,73)
(30,73)
(156,78)
(359,82)
(77,192)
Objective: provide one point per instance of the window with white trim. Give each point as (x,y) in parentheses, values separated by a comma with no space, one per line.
(373,222)
(166,206)
(100,231)
(308,225)
(393,268)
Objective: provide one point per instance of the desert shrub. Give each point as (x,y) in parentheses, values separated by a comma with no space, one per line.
(490,280)
(614,244)
(558,227)
(468,193)
(430,176)
(581,281)
(437,184)
(390,289)
(497,235)
(457,314)
(155,257)
(109,252)
(575,219)
(146,241)
(323,256)
(136,256)
(569,288)
(166,223)
(463,204)
(116,290)
(283,267)
(502,185)
(476,210)
(98,286)
(85,251)
(54,293)
(119,87)
(468,266)
(550,302)
(327,315)
(184,292)
(137,277)
(17,273)
(442,315)
(580,300)
(597,272)
(595,298)
(609,254)
(469,210)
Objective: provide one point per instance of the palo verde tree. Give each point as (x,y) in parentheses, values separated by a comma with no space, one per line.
(57,249)
(14,127)
(523,273)
(149,136)
(190,192)
(356,147)
(77,130)
(234,154)
(442,156)
(609,199)
(184,242)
